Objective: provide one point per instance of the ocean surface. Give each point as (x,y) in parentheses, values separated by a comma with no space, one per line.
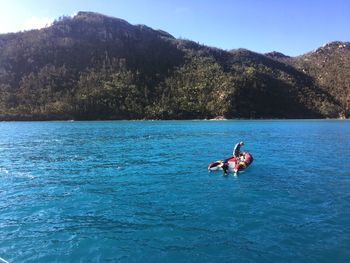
(140,191)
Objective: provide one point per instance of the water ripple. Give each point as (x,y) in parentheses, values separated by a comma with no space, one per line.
(140,191)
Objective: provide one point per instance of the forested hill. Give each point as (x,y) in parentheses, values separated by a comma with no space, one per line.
(92,66)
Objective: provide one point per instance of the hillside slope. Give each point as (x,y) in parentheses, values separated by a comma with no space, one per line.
(96,67)
(329,65)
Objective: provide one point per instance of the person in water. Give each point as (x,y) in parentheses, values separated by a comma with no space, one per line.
(237,149)
(225,166)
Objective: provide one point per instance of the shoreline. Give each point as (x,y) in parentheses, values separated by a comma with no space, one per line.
(151,120)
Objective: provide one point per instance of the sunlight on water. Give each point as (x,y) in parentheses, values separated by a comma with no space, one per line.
(136,191)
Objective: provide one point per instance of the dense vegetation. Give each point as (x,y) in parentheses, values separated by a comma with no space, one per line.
(330,67)
(97,67)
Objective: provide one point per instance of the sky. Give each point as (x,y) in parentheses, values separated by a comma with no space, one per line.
(292,27)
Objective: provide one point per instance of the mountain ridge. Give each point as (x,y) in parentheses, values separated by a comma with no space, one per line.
(93,66)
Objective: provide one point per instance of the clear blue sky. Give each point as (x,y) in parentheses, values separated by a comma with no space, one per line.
(289,26)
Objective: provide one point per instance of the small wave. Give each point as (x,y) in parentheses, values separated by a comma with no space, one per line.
(4,170)
(16,174)
(24,175)
(7,174)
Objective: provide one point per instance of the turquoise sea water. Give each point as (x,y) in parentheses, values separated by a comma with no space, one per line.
(139,191)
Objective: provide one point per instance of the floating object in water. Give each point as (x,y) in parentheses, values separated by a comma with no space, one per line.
(232,164)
